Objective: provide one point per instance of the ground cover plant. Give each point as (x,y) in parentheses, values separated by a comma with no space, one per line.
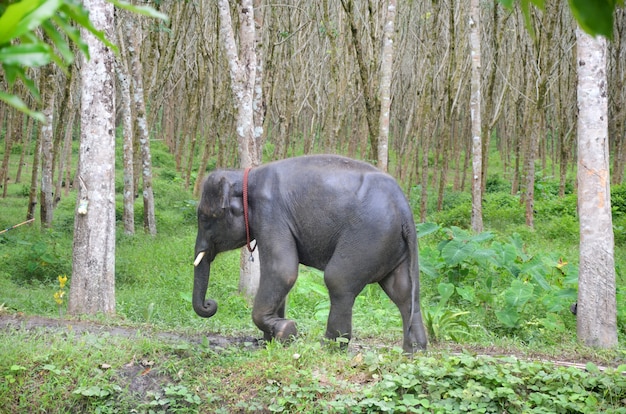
(486,297)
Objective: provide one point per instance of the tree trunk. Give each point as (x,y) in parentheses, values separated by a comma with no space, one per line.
(132,42)
(65,156)
(128,217)
(368,81)
(243,70)
(385,86)
(9,137)
(34,179)
(46,137)
(26,145)
(93,270)
(596,310)
(475,109)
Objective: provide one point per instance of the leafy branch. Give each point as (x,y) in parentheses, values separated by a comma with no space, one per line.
(34,33)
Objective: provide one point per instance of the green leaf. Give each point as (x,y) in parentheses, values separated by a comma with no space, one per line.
(424,229)
(483,237)
(143,10)
(594,17)
(508,317)
(77,12)
(30,54)
(37,16)
(457,251)
(445,291)
(72,32)
(591,367)
(538,271)
(518,294)
(13,72)
(12,17)
(468,293)
(59,42)
(17,103)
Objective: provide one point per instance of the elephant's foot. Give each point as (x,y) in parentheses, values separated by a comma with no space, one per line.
(285,330)
(416,339)
(336,344)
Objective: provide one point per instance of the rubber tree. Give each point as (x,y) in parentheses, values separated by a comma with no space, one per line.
(596,309)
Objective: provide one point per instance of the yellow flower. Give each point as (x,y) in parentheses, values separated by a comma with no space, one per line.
(62,281)
(58,297)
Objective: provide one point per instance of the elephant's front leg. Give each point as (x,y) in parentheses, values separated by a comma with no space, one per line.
(277,279)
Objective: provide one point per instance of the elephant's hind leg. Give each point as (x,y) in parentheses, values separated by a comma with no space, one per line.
(406,297)
(343,287)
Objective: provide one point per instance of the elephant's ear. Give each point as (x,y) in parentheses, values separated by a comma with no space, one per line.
(225,194)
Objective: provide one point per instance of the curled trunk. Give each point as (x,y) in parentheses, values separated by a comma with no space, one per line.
(203,307)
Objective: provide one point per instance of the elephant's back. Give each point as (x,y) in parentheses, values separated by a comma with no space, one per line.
(323,164)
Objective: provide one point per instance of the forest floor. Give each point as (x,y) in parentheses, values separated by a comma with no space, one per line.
(58,326)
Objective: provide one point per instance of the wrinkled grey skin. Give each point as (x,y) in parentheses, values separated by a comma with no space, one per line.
(341,216)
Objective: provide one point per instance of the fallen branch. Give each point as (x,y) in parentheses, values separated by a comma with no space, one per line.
(17,225)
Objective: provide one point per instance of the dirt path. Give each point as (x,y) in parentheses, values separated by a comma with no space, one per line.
(576,358)
(22,322)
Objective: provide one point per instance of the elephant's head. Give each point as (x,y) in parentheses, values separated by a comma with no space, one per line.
(221,227)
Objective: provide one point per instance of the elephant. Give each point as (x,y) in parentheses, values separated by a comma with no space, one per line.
(341,216)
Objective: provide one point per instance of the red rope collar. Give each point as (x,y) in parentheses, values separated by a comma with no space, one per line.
(245,209)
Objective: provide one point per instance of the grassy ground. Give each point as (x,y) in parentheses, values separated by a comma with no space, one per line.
(156,355)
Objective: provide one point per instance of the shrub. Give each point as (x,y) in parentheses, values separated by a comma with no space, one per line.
(495,184)
(42,260)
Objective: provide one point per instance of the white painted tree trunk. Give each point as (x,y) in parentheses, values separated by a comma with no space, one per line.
(386,68)
(93,271)
(242,63)
(596,309)
(475,111)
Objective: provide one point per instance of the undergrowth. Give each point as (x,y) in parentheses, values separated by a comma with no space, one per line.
(509,288)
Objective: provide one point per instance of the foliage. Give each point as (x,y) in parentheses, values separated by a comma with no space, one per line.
(594,17)
(22,48)
(157,356)
(442,323)
(502,285)
(37,258)
(466,383)
(67,371)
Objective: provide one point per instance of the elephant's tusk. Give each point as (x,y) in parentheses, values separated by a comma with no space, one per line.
(198,259)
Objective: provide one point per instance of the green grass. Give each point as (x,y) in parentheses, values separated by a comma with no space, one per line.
(124,363)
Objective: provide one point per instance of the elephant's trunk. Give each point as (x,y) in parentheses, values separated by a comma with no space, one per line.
(203,307)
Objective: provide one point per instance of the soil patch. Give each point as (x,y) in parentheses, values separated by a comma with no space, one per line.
(20,321)
(577,358)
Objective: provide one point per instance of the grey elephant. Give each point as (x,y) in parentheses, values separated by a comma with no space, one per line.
(338,215)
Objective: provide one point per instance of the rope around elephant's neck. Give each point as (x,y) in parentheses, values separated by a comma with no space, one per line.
(245,211)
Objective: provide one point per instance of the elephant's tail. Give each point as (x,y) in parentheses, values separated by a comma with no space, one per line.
(409,234)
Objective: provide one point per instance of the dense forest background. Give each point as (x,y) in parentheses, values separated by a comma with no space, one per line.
(320,65)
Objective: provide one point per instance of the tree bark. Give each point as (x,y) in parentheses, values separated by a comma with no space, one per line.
(128,216)
(65,151)
(476,116)
(9,137)
(369,82)
(93,271)
(132,43)
(243,70)
(385,86)
(597,309)
(46,203)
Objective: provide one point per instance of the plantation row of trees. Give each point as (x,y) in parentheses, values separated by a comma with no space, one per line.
(315,60)
(304,78)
